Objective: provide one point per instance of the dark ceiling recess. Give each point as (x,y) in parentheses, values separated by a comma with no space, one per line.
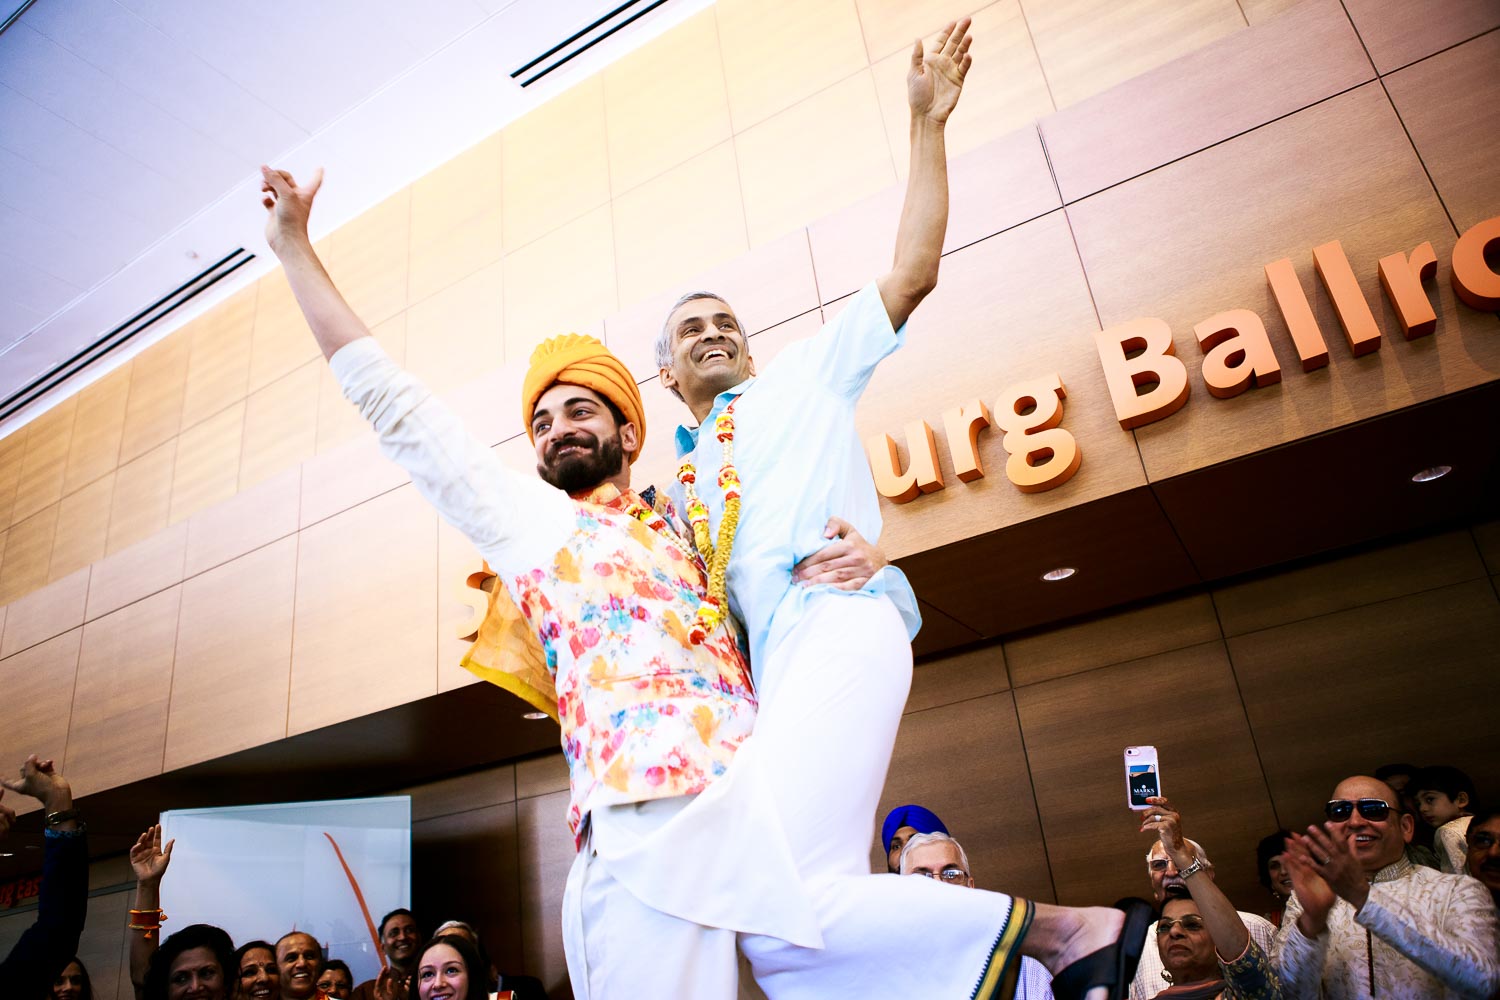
(122,334)
(581,41)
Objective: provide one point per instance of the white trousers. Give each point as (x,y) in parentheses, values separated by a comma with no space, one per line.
(831,698)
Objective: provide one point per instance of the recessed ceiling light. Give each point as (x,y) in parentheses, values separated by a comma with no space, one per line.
(6,854)
(1428,475)
(1061,573)
(534,716)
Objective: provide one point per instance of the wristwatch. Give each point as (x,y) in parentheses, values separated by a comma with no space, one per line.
(1192,869)
(60,817)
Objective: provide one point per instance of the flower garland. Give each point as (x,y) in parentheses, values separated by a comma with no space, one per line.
(715,556)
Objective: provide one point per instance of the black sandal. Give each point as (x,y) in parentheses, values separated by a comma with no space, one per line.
(1112,967)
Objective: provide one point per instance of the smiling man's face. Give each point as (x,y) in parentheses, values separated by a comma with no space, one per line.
(709,353)
(1376,843)
(300,960)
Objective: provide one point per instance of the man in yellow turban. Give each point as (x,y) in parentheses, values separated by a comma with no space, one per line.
(597,619)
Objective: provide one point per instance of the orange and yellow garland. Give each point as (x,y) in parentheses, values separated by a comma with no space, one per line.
(715,557)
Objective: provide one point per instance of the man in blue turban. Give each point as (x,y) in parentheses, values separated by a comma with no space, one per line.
(901,823)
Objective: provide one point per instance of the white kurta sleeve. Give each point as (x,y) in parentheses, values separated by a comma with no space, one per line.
(1454,936)
(515,521)
(1297,958)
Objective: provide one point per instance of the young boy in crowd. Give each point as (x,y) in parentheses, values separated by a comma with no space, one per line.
(1445,798)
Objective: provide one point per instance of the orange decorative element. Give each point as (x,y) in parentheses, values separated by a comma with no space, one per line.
(1474,280)
(359,897)
(1297,311)
(1043,456)
(1156,370)
(1402,280)
(921,476)
(962,425)
(1348,298)
(1236,351)
(473,594)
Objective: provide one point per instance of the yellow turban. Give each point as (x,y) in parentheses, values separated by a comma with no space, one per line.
(578,359)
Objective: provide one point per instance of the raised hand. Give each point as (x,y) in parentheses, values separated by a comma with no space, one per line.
(40,780)
(288,204)
(7,816)
(1315,895)
(390,984)
(1331,855)
(936,78)
(147,857)
(1166,823)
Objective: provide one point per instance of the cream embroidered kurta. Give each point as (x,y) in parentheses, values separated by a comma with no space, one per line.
(1423,933)
(1450,841)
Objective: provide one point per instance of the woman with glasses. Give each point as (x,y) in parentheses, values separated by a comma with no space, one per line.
(1205,948)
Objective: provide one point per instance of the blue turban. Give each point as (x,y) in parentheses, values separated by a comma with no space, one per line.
(919,819)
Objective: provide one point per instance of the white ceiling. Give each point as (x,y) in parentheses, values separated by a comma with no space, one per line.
(131,132)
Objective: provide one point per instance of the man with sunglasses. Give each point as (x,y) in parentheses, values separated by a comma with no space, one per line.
(1364,921)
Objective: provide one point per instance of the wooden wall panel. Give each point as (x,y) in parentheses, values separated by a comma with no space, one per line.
(1449,105)
(456,333)
(541,776)
(82,528)
(1005,90)
(244,522)
(665,103)
(821,154)
(481,843)
(143,497)
(1261,11)
(368,258)
(491,787)
(1243,80)
(95,448)
(118,728)
(338,420)
(1206,227)
(12,455)
(281,425)
(768,285)
(455,219)
(1333,696)
(561,283)
(207,466)
(948,680)
(1398,33)
(891,25)
(280,341)
(153,413)
(152,564)
(1158,627)
(1090,45)
(103,948)
(548,849)
(1075,730)
(556,164)
(44,613)
(937,752)
(779,52)
(366,611)
(675,225)
(1013,307)
(991,189)
(456,560)
(28,551)
(1332,585)
(46,460)
(38,686)
(218,372)
(1487,537)
(349,474)
(233,660)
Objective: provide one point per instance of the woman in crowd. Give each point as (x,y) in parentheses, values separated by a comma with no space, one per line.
(73,983)
(448,968)
(1273,872)
(193,964)
(1203,943)
(257,976)
(336,981)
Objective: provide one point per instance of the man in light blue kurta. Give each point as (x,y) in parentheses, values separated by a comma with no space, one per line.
(832,666)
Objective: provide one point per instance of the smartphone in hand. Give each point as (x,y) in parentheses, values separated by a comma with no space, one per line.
(1142,776)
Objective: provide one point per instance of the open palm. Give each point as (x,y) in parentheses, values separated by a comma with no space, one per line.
(936,78)
(287,203)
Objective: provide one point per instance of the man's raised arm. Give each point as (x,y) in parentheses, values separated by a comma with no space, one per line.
(288,205)
(933,84)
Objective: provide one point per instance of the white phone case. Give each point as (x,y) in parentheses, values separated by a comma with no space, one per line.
(1142,776)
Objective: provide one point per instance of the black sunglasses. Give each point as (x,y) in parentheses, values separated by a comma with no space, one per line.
(1374,810)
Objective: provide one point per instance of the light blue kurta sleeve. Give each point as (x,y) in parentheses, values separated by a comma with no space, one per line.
(844,353)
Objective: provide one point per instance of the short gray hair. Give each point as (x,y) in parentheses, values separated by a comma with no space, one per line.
(1198,852)
(919,839)
(451,925)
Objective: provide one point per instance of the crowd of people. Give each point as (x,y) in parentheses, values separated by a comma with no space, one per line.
(1395,895)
